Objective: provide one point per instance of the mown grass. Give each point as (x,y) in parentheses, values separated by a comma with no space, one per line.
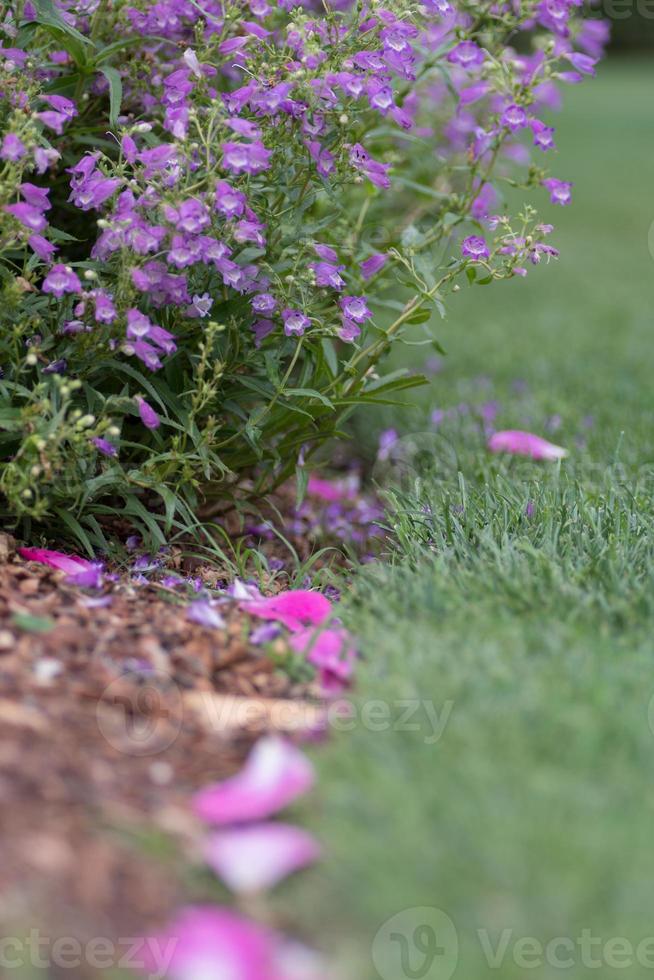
(517,602)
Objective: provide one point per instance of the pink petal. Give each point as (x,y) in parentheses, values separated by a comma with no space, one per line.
(330,490)
(525,444)
(274,775)
(294,609)
(251,859)
(332,652)
(212,943)
(56,559)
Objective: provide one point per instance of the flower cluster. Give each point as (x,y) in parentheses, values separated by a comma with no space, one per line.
(203,210)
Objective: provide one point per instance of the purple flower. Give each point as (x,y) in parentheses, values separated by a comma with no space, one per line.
(377,173)
(105,311)
(104,446)
(583,62)
(53,120)
(261,329)
(248,158)
(543,135)
(201,306)
(514,118)
(349,330)
(28,216)
(264,303)
(149,417)
(228,201)
(138,325)
(355,308)
(60,280)
(467,54)
(328,274)
(371,266)
(295,322)
(59,102)
(36,196)
(474,247)
(560,190)
(387,440)
(56,367)
(42,247)
(12,149)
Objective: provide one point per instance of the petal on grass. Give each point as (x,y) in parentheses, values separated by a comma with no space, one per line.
(519,443)
(252,859)
(332,652)
(295,609)
(275,774)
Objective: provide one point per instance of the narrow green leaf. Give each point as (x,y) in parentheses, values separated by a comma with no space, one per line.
(115,93)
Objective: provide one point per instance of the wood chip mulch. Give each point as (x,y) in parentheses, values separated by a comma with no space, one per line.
(107,728)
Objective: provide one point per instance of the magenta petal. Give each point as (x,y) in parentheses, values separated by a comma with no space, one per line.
(294,609)
(251,859)
(525,444)
(211,943)
(274,775)
(330,490)
(332,652)
(57,559)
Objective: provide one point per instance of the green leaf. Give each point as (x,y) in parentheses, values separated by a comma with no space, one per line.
(330,355)
(80,534)
(32,624)
(421,316)
(301,483)
(309,393)
(115,93)
(50,16)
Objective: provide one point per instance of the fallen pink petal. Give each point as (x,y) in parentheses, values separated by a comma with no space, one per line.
(295,609)
(213,943)
(275,774)
(70,564)
(519,443)
(332,652)
(252,859)
(331,491)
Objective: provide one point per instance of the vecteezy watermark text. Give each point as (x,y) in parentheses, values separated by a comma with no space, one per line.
(422,943)
(150,956)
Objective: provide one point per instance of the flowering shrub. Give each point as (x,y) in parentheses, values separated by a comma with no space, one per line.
(205,212)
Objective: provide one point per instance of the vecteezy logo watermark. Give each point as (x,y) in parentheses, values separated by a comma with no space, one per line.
(418,716)
(151,957)
(140,714)
(416,944)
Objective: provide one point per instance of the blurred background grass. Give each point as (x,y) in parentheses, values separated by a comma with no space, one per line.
(533,811)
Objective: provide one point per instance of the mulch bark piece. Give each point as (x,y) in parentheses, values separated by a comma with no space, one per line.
(98,752)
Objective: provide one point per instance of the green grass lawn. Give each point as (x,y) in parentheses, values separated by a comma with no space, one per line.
(516,615)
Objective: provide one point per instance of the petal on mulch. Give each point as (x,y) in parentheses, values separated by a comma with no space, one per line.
(252,859)
(295,609)
(275,774)
(519,443)
(80,571)
(212,943)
